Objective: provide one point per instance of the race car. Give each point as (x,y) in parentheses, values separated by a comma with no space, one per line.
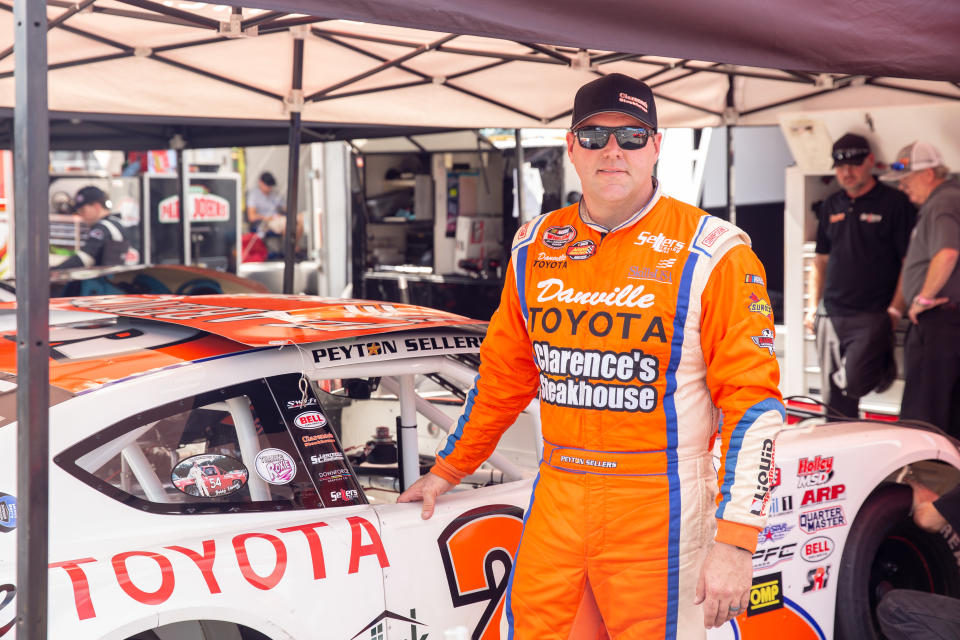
(319,411)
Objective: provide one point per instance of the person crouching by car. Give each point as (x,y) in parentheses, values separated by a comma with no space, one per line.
(107,241)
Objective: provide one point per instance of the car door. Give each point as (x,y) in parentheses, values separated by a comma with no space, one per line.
(234,504)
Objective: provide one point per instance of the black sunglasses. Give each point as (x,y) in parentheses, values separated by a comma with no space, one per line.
(629,138)
(841,155)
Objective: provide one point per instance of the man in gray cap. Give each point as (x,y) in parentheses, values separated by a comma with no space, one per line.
(862,235)
(931,288)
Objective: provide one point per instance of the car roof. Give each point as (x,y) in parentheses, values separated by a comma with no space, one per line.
(142,333)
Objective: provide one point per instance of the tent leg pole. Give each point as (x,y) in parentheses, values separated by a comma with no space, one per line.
(518,137)
(32,238)
(293,184)
(293,170)
(731,203)
(182,204)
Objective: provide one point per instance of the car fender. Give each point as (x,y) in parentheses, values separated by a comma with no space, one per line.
(805,507)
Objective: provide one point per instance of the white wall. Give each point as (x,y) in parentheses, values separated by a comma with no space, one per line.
(761,156)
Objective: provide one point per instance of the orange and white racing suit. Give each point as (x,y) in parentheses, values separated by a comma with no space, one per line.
(634,337)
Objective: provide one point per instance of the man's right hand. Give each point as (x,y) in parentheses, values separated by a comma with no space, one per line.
(427,488)
(810,320)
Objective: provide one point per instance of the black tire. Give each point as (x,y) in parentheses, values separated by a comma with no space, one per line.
(886,551)
(192,490)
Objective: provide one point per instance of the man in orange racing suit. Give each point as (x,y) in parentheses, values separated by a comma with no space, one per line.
(636,317)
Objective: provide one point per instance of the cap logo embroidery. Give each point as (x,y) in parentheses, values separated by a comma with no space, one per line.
(637,102)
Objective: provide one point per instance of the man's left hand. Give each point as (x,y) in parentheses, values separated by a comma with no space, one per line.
(724,584)
(916,309)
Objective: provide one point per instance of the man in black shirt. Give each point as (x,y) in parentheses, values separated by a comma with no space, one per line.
(862,236)
(906,614)
(107,242)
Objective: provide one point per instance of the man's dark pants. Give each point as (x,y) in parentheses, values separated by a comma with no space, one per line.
(912,615)
(856,357)
(932,366)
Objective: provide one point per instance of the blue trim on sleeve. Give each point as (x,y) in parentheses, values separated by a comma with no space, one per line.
(696,237)
(519,252)
(454,437)
(736,441)
(673,474)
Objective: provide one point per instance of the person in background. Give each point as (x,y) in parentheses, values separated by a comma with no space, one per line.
(265,207)
(107,242)
(931,289)
(862,236)
(637,319)
(905,614)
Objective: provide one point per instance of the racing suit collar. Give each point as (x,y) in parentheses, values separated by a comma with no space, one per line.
(587,220)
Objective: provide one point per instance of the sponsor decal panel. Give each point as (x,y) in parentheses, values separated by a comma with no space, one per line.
(773,533)
(813,472)
(659,243)
(780,506)
(823,494)
(817,579)
(634,100)
(323,458)
(597,323)
(761,494)
(771,556)
(765,341)
(275,466)
(523,231)
(837,217)
(761,306)
(774,479)
(766,594)
(582,250)
(317,439)
(546,261)
(206,208)
(653,274)
(628,296)
(8,513)
(477,563)
(819,519)
(870,217)
(386,347)
(557,237)
(345,495)
(564,375)
(310,420)
(752,279)
(709,239)
(177,578)
(817,549)
(301,404)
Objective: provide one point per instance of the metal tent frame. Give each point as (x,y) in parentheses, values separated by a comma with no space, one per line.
(812,49)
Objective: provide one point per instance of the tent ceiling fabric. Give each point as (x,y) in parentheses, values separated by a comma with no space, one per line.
(138,57)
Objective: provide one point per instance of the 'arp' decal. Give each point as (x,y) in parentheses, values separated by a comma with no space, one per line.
(7,591)
(470,546)
(790,621)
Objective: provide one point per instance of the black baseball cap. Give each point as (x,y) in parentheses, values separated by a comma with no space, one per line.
(267,178)
(850,149)
(87,195)
(615,93)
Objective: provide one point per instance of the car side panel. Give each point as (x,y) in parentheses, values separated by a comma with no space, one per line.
(440,569)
